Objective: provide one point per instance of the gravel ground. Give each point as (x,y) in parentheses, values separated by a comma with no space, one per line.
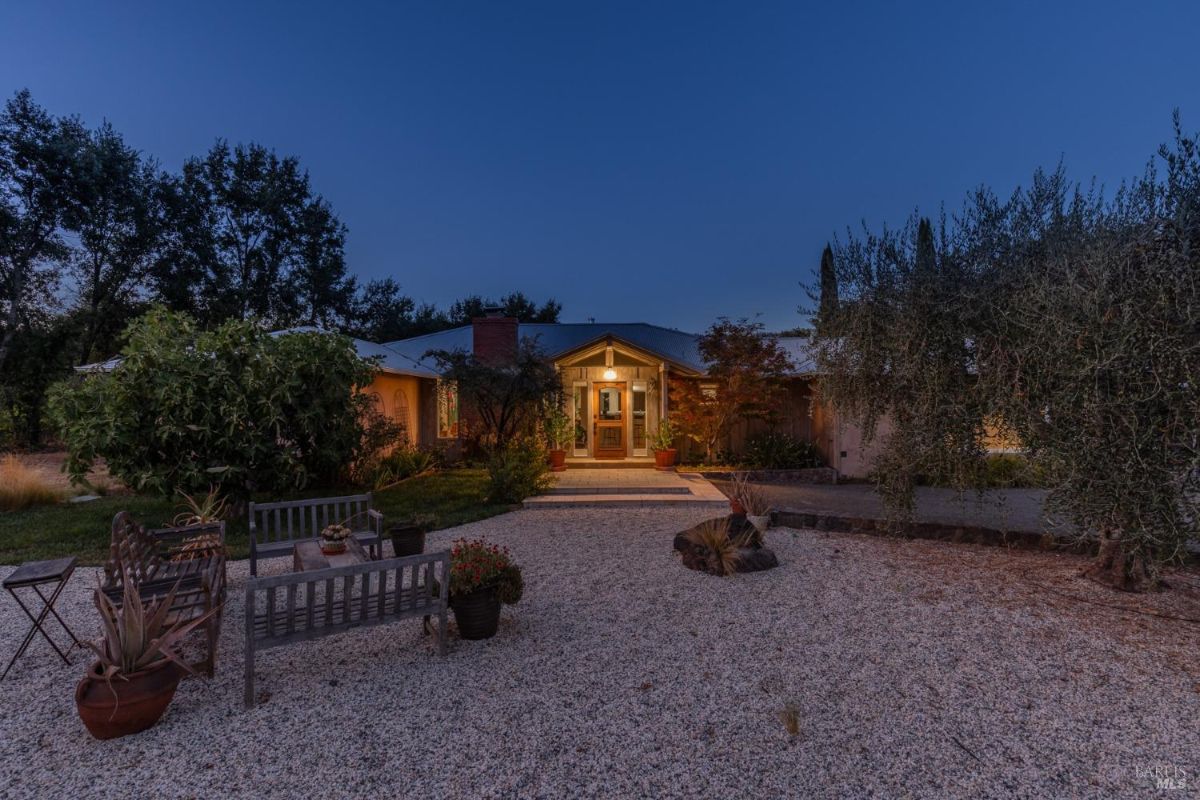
(915,669)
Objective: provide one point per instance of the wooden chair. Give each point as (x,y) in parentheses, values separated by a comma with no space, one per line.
(191,558)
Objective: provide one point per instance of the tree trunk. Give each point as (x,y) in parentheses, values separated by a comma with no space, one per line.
(1115,566)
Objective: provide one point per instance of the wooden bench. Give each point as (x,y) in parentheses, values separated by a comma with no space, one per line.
(189,559)
(276,527)
(300,606)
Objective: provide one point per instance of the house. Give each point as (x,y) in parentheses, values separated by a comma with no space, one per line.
(613,376)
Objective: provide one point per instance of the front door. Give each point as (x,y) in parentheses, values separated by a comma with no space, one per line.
(608,421)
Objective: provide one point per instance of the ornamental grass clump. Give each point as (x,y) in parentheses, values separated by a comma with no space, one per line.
(23,486)
(476,565)
(719,550)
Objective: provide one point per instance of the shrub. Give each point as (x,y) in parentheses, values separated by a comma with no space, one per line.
(517,471)
(404,463)
(1012,471)
(776,450)
(23,486)
(235,407)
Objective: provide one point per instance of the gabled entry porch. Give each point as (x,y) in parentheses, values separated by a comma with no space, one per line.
(615,396)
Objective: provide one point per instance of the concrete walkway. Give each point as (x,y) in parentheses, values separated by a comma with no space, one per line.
(617,488)
(1000,509)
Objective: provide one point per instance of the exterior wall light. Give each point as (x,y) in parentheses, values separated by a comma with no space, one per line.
(610,374)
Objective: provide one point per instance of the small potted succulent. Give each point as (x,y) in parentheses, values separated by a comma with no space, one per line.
(663,445)
(408,538)
(333,539)
(558,428)
(138,666)
(482,578)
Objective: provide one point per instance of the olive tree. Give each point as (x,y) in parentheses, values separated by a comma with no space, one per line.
(1066,318)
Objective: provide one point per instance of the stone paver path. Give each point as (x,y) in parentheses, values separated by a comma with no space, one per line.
(616,488)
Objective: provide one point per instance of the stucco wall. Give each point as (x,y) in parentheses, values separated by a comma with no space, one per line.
(399,400)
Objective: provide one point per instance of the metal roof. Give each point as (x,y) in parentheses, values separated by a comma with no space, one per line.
(561,337)
(407,356)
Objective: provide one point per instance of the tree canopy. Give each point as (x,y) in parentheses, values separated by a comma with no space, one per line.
(1066,318)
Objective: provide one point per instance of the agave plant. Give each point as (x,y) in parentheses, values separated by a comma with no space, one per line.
(137,634)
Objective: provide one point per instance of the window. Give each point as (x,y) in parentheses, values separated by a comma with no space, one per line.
(447,405)
(579,405)
(639,418)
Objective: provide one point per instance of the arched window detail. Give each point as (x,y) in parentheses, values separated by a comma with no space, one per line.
(400,414)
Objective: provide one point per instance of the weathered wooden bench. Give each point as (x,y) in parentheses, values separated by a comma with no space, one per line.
(300,606)
(189,559)
(276,527)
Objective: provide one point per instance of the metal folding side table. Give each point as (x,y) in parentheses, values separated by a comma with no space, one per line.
(33,575)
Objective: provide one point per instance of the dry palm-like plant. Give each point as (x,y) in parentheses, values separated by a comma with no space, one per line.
(139,634)
(206,510)
(210,507)
(747,495)
(789,715)
(719,550)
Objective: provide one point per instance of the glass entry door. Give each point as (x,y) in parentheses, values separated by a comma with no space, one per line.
(608,420)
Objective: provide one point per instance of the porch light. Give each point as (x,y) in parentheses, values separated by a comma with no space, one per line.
(610,374)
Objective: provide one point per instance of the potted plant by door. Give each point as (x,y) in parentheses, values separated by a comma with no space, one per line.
(663,445)
(408,538)
(482,578)
(558,429)
(138,666)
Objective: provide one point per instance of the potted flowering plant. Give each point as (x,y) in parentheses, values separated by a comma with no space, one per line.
(663,444)
(333,539)
(482,578)
(558,428)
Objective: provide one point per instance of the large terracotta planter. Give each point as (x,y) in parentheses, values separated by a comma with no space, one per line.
(558,460)
(665,459)
(139,701)
(477,613)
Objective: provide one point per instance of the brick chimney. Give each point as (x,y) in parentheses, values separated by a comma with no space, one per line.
(494,337)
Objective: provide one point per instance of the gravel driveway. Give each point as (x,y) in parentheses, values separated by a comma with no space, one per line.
(915,669)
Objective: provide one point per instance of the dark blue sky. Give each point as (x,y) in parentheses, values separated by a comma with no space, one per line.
(640,161)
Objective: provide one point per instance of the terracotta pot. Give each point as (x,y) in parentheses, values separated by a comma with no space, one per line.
(477,613)
(665,459)
(332,548)
(735,507)
(407,540)
(558,460)
(139,701)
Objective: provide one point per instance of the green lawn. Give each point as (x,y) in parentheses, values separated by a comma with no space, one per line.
(452,497)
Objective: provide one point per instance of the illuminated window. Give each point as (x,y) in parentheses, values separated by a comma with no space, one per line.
(447,405)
